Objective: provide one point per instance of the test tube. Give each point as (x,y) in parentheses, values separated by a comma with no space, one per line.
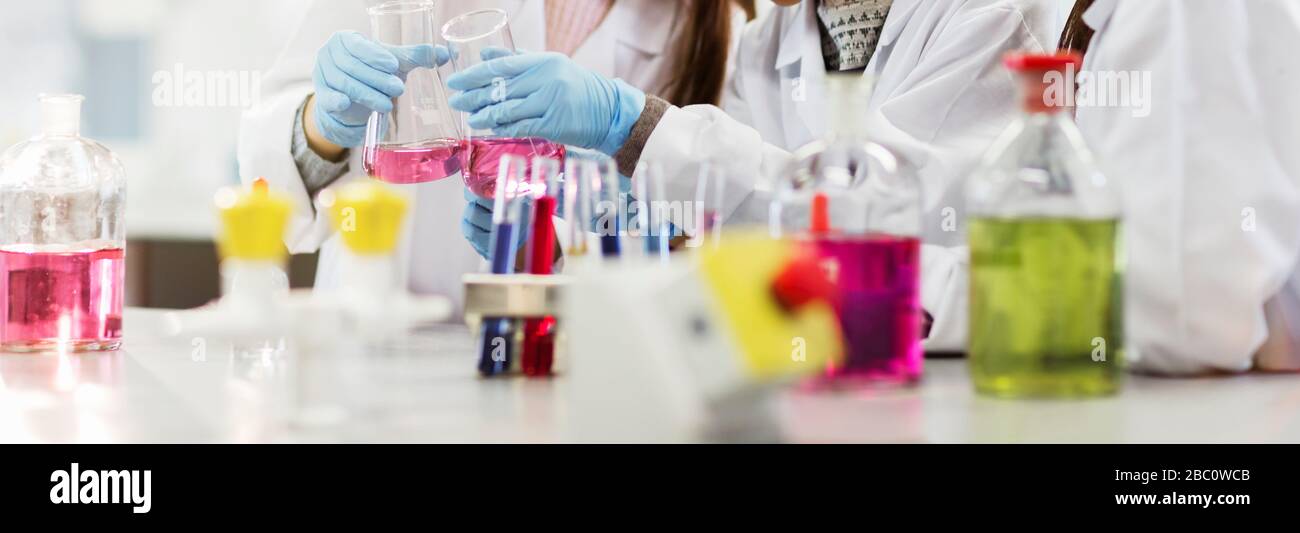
(497,334)
(710,191)
(543,188)
(609,225)
(578,183)
(539,333)
(655,227)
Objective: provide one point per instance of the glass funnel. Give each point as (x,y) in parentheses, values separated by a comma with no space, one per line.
(419,141)
(62,238)
(859,210)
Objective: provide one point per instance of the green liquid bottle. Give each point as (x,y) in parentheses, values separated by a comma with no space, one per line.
(1046,307)
(1046,297)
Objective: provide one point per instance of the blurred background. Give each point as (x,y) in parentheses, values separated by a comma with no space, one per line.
(121,54)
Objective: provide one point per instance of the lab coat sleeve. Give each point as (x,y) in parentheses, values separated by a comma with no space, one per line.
(266,129)
(685,137)
(1210,175)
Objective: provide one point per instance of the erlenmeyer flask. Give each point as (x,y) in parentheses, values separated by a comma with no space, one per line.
(419,141)
(473,38)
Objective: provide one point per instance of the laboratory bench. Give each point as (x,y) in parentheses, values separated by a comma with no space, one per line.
(424,388)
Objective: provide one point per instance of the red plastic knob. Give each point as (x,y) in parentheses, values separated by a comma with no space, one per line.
(802,282)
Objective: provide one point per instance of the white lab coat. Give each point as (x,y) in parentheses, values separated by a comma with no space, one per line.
(632,43)
(941,98)
(1210,180)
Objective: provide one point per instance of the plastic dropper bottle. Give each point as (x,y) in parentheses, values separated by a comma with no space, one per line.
(368,217)
(252,252)
(1046,301)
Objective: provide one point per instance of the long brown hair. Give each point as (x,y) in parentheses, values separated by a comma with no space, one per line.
(699,61)
(1077,34)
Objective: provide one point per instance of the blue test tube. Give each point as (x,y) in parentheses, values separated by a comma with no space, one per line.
(656,228)
(497,346)
(611,245)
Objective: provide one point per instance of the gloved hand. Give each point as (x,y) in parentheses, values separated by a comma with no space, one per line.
(548,95)
(355,76)
(476,226)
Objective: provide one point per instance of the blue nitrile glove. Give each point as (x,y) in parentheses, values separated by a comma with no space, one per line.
(355,76)
(547,95)
(476,225)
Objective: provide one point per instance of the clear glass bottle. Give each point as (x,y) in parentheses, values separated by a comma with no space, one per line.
(1046,299)
(859,209)
(62,238)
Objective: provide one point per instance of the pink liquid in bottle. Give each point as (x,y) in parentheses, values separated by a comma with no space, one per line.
(483,155)
(405,164)
(61,300)
(878,307)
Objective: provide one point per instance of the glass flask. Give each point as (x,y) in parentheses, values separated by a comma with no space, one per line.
(419,141)
(62,238)
(1046,264)
(858,209)
(473,38)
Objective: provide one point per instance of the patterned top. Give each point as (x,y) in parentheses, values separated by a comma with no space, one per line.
(850,31)
(570,22)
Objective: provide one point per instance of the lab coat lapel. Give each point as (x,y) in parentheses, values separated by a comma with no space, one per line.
(900,13)
(1099,14)
(801,44)
(653,30)
(653,26)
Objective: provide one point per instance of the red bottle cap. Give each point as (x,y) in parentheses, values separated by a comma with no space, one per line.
(821,214)
(801,282)
(1025,62)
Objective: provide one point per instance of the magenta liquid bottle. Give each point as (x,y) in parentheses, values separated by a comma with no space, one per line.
(62,264)
(879,306)
(852,203)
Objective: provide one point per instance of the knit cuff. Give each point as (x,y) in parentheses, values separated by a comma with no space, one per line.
(629,155)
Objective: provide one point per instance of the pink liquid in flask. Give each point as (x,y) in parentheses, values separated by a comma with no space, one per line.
(61,300)
(879,308)
(406,164)
(483,156)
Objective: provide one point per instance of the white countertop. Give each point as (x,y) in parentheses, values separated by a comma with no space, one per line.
(155,390)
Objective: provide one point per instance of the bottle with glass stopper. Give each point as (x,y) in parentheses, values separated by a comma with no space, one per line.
(62,238)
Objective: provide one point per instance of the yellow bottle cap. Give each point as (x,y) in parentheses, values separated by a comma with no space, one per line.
(368,216)
(253,223)
(775,341)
